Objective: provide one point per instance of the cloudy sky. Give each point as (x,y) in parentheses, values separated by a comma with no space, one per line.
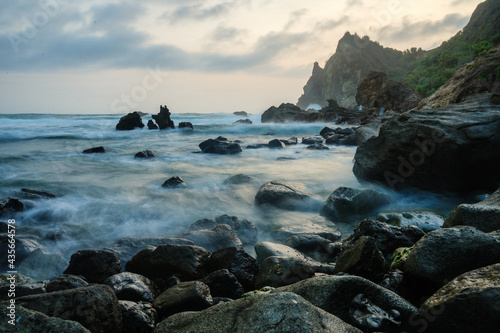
(58,56)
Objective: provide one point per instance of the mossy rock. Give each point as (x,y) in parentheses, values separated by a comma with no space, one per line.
(399,257)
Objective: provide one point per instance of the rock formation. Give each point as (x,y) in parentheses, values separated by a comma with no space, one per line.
(163,118)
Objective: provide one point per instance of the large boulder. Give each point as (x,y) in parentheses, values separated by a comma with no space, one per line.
(132,287)
(138,317)
(65,282)
(239,263)
(283,195)
(283,312)
(186,296)
(245,230)
(484,215)
(443,254)
(223,283)
(468,303)
(95,307)
(130,121)
(94,265)
(346,203)
(277,271)
(286,112)
(217,238)
(163,118)
(449,149)
(221,147)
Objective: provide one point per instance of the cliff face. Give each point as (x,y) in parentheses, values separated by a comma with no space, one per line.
(313,90)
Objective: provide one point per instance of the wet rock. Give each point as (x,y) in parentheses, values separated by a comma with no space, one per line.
(152,125)
(317,226)
(174,182)
(367,131)
(311,245)
(95,307)
(94,265)
(95,150)
(327,131)
(223,283)
(218,146)
(468,303)
(257,146)
(187,262)
(138,317)
(42,266)
(33,321)
(427,220)
(276,144)
(23,286)
(10,205)
(65,282)
(311,140)
(348,203)
(25,246)
(163,118)
(37,194)
(290,196)
(444,254)
(130,121)
(239,179)
(146,154)
(132,287)
(393,280)
(317,147)
(186,125)
(245,230)
(217,238)
(243,122)
(371,317)
(239,263)
(484,215)
(284,312)
(363,258)
(186,296)
(290,142)
(240,113)
(334,294)
(281,271)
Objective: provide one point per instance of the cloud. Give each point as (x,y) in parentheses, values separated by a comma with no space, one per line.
(295,16)
(331,24)
(201,11)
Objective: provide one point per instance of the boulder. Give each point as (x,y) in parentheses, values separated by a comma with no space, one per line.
(132,287)
(327,132)
(347,203)
(367,131)
(335,294)
(138,317)
(239,263)
(152,125)
(484,215)
(257,146)
(34,321)
(65,282)
(95,307)
(311,140)
(283,312)
(427,220)
(186,296)
(30,193)
(163,118)
(290,196)
(276,144)
(318,226)
(186,125)
(277,271)
(130,121)
(23,285)
(218,146)
(243,122)
(245,230)
(187,262)
(425,149)
(146,154)
(444,254)
(286,112)
(312,245)
(94,265)
(42,266)
(223,283)
(241,113)
(290,142)
(10,205)
(95,150)
(363,258)
(317,146)
(216,238)
(468,303)
(239,179)
(174,182)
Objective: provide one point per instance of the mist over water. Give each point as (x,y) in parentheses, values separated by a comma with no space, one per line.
(102,197)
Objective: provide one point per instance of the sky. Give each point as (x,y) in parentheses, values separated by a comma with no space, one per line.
(203,56)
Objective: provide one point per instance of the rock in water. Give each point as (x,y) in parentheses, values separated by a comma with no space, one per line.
(219,146)
(243,122)
(174,182)
(186,125)
(245,230)
(152,125)
(217,238)
(94,150)
(283,195)
(163,118)
(449,149)
(427,220)
(240,113)
(130,121)
(146,154)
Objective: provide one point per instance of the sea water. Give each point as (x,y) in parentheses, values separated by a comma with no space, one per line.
(103,197)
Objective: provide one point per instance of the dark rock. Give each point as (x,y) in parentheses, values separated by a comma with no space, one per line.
(245,230)
(371,317)
(187,262)
(240,113)
(283,195)
(388,237)
(317,226)
(25,246)
(281,271)
(174,182)
(349,140)
(186,124)
(426,149)
(217,238)
(285,158)
(186,296)
(138,317)
(65,282)
(132,287)
(244,122)
(313,90)
(427,220)
(38,194)
(10,205)
(218,146)
(289,142)
(33,321)
(335,294)
(163,118)
(364,259)
(239,263)
(469,303)
(367,131)
(283,312)
(393,281)
(152,125)
(349,203)
(130,121)
(239,179)
(344,131)
(146,154)
(223,283)
(444,254)
(317,146)
(94,150)
(276,144)
(94,265)
(311,140)
(95,307)
(221,138)
(284,113)
(257,146)
(218,300)
(484,215)
(23,286)
(326,132)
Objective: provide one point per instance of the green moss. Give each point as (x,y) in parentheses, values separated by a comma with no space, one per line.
(399,257)
(264,290)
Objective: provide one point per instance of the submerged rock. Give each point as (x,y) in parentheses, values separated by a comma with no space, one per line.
(94,150)
(25,247)
(38,194)
(130,121)
(243,122)
(239,179)
(283,195)
(146,154)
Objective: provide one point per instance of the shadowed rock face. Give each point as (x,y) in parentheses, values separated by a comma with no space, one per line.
(163,118)
(130,121)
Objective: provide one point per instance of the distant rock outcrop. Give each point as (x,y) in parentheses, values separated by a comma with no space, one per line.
(313,90)
(130,121)
(163,118)
(241,113)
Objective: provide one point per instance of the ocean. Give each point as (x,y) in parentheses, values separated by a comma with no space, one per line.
(103,197)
